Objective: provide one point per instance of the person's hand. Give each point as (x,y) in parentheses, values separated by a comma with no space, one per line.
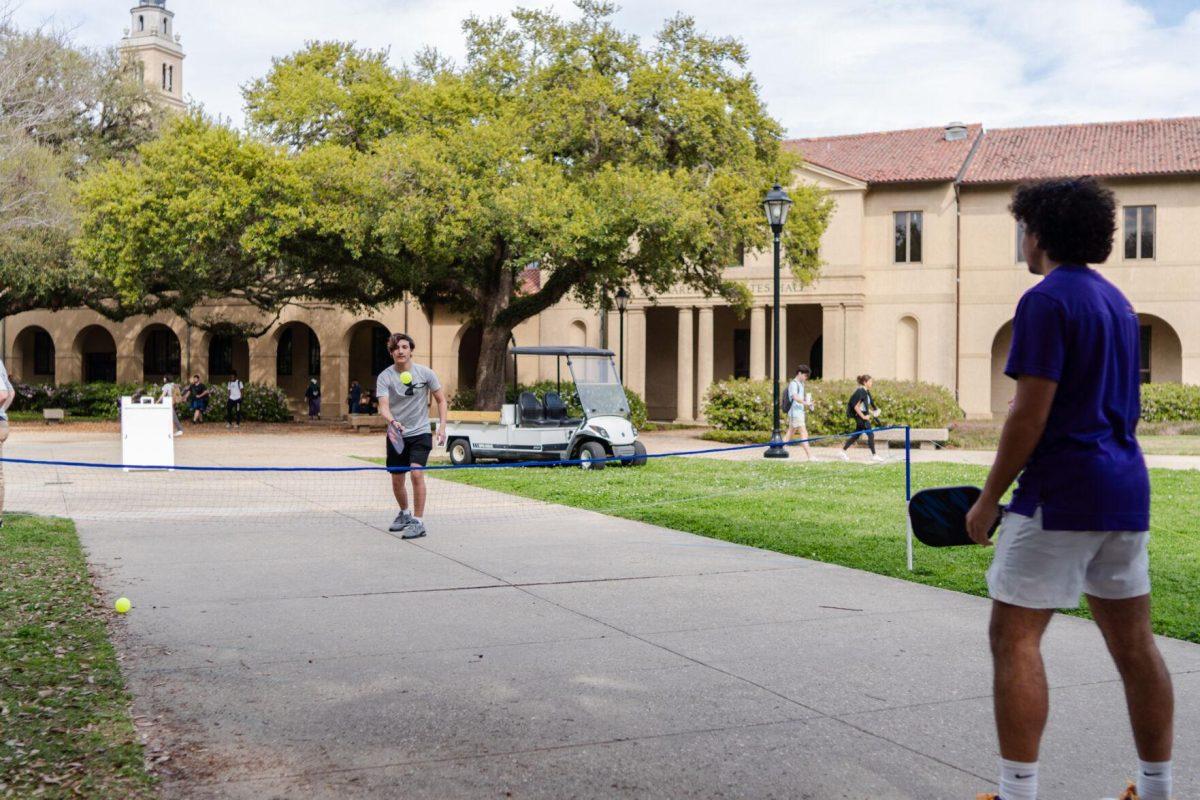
(980,519)
(441,436)
(396,424)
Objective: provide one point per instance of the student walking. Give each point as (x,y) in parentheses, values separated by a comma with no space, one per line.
(862,410)
(313,395)
(354,398)
(1079,517)
(798,402)
(197,396)
(170,391)
(7,395)
(233,403)
(404,390)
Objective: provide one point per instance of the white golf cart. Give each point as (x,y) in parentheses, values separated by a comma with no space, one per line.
(539,428)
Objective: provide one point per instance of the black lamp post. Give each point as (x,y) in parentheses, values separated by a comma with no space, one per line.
(776,204)
(622,304)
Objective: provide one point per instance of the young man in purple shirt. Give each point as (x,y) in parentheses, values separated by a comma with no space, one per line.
(1079,517)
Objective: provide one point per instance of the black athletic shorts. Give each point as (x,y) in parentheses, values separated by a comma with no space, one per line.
(416,451)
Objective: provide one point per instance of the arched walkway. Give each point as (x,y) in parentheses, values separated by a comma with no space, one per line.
(366,342)
(228,352)
(297,359)
(470,340)
(32,359)
(816,358)
(1161,351)
(161,354)
(1003,387)
(97,353)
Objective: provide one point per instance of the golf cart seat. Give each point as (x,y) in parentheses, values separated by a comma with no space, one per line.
(556,409)
(532,413)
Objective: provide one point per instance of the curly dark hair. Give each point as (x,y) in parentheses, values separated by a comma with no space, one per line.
(1074,219)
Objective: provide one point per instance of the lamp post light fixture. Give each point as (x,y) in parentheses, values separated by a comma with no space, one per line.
(622,304)
(776,204)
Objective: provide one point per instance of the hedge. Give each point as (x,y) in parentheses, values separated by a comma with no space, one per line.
(1170,402)
(464,399)
(260,403)
(743,405)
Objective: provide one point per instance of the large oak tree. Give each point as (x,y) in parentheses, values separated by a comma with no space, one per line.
(565,145)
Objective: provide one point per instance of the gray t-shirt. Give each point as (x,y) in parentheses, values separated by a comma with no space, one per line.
(409,402)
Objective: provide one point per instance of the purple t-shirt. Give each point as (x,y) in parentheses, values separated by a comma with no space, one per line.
(1087,472)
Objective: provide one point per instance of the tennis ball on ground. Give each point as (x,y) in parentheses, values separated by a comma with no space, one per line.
(406,377)
(122,605)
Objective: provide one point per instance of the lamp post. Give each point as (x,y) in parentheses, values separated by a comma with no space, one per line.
(622,304)
(776,204)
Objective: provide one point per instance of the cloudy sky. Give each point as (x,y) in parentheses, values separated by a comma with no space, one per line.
(825,66)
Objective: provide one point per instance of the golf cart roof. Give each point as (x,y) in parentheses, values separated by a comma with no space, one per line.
(559,351)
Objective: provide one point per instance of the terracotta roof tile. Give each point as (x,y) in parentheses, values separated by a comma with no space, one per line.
(890,156)
(1103,149)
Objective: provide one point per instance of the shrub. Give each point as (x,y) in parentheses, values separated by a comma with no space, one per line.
(743,405)
(1170,402)
(464,399)
(260,403)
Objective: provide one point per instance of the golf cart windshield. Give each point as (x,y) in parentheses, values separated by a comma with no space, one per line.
(600,392)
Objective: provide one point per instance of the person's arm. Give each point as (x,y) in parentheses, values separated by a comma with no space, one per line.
(385,408)
(439,396)
(1022,431)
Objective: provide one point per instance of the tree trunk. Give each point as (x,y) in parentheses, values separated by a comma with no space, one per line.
(493,357)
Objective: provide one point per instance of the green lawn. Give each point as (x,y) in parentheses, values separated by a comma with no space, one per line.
(846,514)
(65,729)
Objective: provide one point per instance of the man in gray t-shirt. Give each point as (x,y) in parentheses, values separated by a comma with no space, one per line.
(404,390)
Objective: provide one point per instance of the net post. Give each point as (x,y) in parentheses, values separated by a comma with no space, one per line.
(908,532)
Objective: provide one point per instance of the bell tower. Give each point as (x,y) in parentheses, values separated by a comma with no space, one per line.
(152,44)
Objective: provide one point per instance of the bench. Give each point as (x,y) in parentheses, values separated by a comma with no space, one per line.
(54,415)
(369,421)
(919,437)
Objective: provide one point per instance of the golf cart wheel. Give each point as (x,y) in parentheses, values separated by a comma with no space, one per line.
(592,455)
(639,455)
(460,452)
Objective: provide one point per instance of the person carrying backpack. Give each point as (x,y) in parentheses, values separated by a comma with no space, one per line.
(795,403)
(862,410)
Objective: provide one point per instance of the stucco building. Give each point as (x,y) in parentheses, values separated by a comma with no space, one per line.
(921,274)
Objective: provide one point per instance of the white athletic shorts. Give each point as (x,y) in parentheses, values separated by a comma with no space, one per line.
(796,417)
(1036,568)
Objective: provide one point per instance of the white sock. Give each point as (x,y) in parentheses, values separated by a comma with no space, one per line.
(1154,780)
(1018,780)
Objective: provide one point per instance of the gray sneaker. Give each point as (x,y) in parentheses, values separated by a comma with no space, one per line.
(401,521)
(414,530)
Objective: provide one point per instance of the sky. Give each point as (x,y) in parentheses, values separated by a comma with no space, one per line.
(825,67)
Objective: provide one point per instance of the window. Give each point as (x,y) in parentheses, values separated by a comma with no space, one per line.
(1144,364)
(1139,232)
(908,236)
(162,355)
(741,255)
(164,81)
(164,26)
(141,23)
(43,353)
(283,354)
(220,356)
(141,73)
(1020,236)
(170,79)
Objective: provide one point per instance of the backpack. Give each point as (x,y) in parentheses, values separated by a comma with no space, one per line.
(786,399)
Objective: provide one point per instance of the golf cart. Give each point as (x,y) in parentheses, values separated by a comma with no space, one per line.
(539,429)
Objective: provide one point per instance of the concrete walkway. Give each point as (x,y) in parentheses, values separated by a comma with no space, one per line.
(555,653)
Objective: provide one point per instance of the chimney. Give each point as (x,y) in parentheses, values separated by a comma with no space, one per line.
(956,132)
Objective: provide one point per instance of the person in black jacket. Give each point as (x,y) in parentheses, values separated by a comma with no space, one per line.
(862,410)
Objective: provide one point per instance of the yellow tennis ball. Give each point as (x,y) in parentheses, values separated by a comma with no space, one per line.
(406,377)
(122,605)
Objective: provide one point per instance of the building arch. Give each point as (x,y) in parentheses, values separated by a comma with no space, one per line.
(907,348)
(577,333)
(1161,353)
(468,341)
(158,347)
(1004,388)
(96,350)
(33,356)
(297,358)
(227,352)
(365,343)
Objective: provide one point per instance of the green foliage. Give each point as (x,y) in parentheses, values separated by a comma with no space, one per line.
(1170,402)
(555,143)
(260,403)
(743,405)
(464,399)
